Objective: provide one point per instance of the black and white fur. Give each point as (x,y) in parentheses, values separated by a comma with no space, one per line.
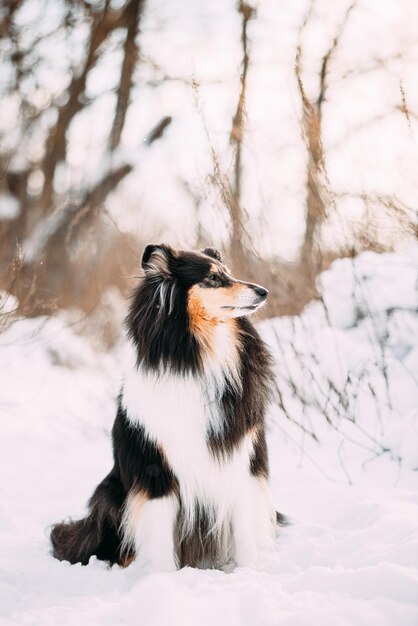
(189,485)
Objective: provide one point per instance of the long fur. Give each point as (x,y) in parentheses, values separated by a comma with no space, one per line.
(189,485)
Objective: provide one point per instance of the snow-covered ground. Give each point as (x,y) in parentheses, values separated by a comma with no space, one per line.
(347,372)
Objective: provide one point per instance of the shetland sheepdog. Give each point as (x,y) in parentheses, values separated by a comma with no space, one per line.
(189,485)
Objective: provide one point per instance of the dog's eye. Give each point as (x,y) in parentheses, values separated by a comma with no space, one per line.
(212,280)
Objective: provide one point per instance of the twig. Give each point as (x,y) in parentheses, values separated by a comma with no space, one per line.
(130,55)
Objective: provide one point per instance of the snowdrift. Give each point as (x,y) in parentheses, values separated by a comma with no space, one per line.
(343,442)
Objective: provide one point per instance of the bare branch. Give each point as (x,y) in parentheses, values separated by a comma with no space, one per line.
(237,253)
(298,59)
(158,130)
(312,134)
(327,58)
(404,109)
(6,22)
(130,57)
(374,65)
(101,27)
(60,224)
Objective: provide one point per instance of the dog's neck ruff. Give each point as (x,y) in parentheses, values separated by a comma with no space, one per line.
(218,367)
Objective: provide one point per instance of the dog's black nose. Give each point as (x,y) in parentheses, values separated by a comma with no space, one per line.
(263,293)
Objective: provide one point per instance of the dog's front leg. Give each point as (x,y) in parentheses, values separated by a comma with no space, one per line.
(154,534)
(253,522)
(244,540)
(264,514)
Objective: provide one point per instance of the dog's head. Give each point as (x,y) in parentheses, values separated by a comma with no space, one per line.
(211,291)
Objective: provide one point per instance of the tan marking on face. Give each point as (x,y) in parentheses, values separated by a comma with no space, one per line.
(201,324)
(218,337)
(206,303)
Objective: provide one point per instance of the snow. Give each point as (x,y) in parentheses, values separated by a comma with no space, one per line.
(9,207)
(350,556)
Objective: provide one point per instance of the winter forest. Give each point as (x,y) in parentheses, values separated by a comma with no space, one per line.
(285,134)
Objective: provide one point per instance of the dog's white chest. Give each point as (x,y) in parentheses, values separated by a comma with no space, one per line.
(176,412)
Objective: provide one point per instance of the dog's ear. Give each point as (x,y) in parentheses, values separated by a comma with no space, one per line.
(156,260)
(213,253)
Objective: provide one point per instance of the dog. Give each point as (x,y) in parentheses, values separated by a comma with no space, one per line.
(189,485)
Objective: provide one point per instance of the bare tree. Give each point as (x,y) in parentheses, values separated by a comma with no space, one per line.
(238,252)
(312,113)
(46,223)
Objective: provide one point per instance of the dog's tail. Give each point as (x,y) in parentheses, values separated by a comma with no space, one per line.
(97,534)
